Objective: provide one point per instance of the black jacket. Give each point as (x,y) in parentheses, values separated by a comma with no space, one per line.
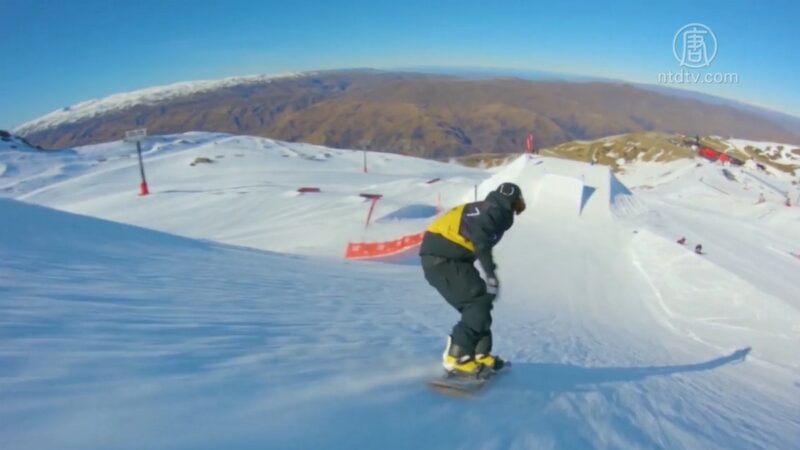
(482,224)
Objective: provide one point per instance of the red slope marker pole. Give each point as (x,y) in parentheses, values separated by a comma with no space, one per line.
(143,190)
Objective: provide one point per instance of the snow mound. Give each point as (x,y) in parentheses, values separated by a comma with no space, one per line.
(558,197)
(42,230)
(409,212)
(558,189)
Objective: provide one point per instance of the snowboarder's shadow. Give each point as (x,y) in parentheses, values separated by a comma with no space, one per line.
(556,378)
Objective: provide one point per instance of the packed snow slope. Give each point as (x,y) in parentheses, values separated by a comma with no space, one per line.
(115,336)
(246,193)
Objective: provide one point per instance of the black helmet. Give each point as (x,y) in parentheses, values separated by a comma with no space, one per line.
(514,194)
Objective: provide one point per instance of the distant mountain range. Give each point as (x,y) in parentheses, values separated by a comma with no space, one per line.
(429,115)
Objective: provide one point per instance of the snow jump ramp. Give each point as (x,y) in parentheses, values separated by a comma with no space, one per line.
(557,196)
(565,190)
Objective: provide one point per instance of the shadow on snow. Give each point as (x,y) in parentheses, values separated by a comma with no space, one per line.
(546,377)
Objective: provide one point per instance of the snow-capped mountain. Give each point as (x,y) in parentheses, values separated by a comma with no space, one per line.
(149,96)
(428,115)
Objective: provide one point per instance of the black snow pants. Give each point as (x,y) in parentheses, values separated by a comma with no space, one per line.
(462,286)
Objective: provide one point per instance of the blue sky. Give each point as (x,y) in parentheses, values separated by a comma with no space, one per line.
(56,53)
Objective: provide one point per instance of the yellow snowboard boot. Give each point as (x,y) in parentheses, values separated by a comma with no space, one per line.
(490,361)
(456,360)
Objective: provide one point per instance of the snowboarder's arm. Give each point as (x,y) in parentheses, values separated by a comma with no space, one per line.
(486,259)
(487,232)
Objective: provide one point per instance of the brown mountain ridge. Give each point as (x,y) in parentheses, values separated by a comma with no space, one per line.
(424,115)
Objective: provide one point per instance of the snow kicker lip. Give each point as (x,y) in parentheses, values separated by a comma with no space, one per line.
(565,190)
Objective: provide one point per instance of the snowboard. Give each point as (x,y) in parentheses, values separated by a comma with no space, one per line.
(464,386)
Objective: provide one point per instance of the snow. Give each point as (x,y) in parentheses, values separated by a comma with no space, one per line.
(243,327)
(780,153)
(557,196)
(248,195)
(149,96)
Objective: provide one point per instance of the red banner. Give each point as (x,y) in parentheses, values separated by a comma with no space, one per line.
(713,155)
(367,250)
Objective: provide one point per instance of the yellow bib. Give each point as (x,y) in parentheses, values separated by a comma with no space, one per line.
(448,226)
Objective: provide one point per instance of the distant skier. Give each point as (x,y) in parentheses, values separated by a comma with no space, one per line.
(682,240)
(698,249)
(449,249)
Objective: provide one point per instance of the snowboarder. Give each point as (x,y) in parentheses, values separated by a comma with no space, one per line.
(682,240)
(449,249)
(698,249)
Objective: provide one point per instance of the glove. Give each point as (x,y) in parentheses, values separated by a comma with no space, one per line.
(492,286)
